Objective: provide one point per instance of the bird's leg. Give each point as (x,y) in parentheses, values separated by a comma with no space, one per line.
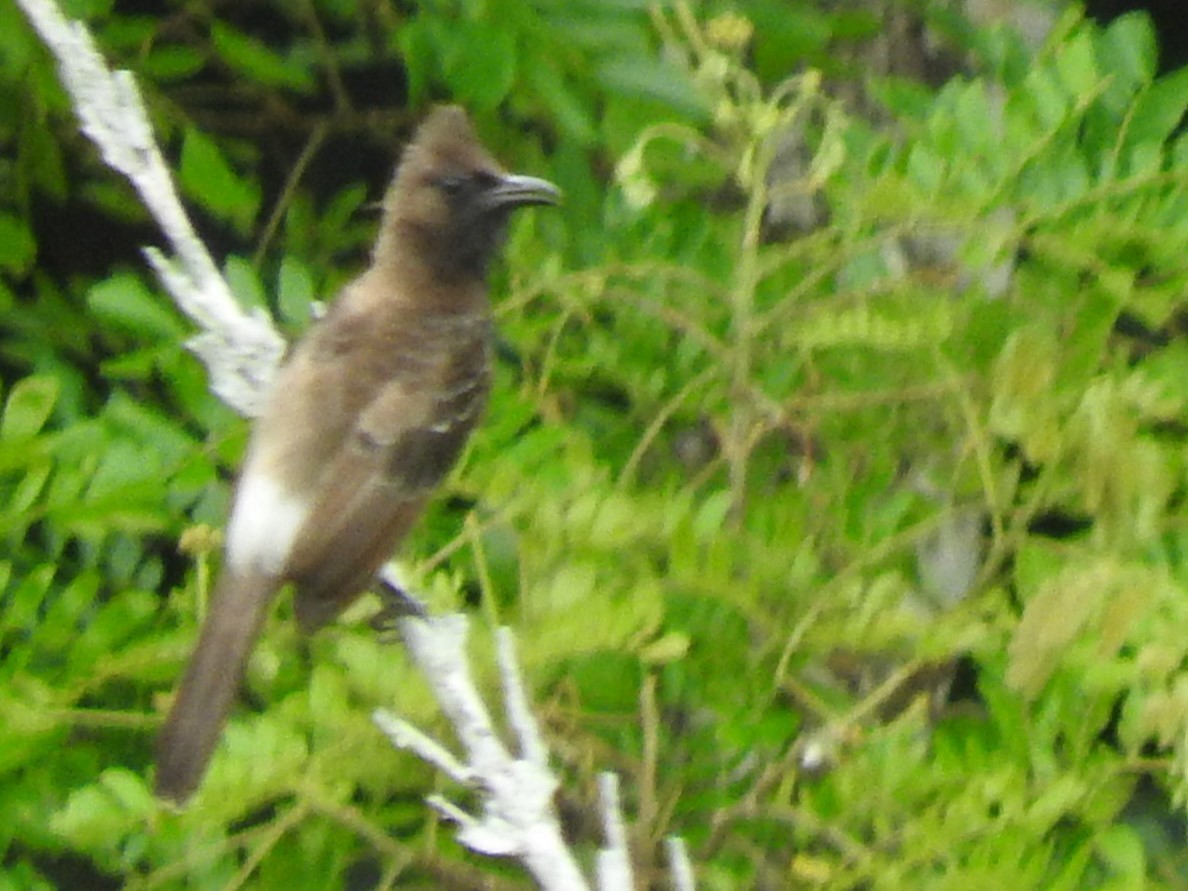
(397,604)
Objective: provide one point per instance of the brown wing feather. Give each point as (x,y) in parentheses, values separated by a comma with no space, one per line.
(405,441)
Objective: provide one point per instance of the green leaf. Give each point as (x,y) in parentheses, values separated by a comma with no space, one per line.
(712,515)
(480,64)
(1077,65)
(97,814)
(110,627)
(643,78)
(17,41)
(790,35)
(147,423)
(417,45)
(41,149)
(172,62)
(1159,110)
(1130,48)
(552,88)
(19,610)
(343,206)
(255,61)
(17,247)
(975,121)
(1121,847)
(24,496)
(28,407)
(88,9)
(669,648)
(926,168)
(207,178)
(123,301)
(263,754)
(1047,98)
(245,283)
(294,293)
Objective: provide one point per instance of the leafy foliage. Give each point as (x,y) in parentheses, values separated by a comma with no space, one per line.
(834,479)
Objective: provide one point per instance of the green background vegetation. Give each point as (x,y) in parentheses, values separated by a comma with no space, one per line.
(851,535)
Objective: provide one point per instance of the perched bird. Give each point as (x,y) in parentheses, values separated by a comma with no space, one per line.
(366,416)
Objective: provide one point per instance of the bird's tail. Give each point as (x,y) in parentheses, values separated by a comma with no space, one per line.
(186,742)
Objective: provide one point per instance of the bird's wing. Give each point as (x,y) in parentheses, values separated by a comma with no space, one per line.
(405,441)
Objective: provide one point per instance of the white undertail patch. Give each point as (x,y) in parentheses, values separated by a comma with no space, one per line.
(264,523)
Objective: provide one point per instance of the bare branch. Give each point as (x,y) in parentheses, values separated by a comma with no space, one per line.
(518,817)
(240,350)
(519,715)
(679,865)
(405,736)
(614,860)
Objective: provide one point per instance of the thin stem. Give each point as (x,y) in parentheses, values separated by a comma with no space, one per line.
(742,303)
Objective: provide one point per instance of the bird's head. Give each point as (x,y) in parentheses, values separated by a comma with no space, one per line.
(450,201)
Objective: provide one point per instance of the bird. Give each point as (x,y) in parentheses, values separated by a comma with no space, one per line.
(366,415)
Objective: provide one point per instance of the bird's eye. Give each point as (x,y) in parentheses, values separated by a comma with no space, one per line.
(451,185)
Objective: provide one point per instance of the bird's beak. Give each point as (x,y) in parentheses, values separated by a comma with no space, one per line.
(514,190)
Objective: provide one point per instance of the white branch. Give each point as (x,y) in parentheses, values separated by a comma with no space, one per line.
(518,817)
(519,715)
(679,865)
(614,860)
(241,351)
(405,736)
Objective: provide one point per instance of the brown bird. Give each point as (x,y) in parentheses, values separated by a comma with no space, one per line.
(366,416)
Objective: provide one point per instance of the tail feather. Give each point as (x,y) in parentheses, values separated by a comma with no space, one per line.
(211,681)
